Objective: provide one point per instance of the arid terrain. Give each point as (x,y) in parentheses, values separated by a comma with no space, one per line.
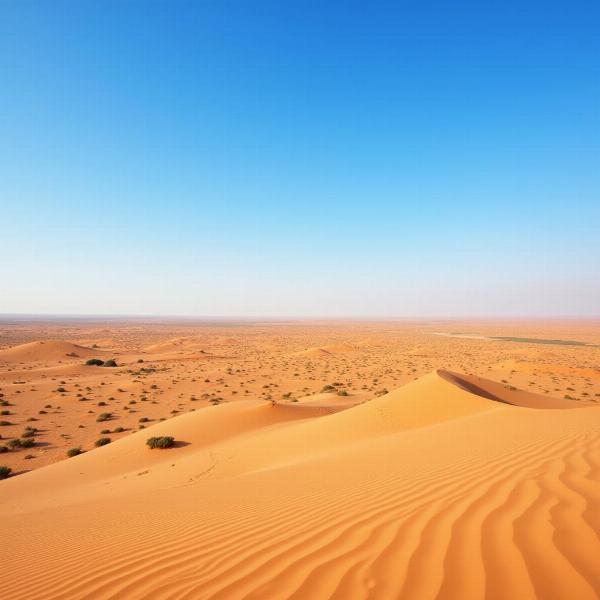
(432,459)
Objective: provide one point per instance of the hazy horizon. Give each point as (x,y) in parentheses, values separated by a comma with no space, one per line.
(300,161)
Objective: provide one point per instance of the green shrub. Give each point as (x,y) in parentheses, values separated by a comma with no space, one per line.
(27,442)
(74,451)
(102,442)
(94,362)
(119,429)
(111,362)
(104,417)
(5,472)
(161,442)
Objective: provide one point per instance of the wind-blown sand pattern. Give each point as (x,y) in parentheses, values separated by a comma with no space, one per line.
(450,485)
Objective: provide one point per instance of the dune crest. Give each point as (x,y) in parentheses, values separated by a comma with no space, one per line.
(499,392)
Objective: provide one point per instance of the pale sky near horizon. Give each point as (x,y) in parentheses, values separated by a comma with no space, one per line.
(333,159)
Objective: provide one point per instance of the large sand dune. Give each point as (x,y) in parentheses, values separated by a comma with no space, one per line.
(448,487)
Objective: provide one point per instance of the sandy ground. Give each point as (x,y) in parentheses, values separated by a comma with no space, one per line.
(312,460)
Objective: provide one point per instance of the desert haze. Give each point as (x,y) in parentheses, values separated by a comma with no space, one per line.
(431,459)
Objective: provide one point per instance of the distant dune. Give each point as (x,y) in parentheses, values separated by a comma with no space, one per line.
(324,351)
(47,351)
(176,344)
(451,486)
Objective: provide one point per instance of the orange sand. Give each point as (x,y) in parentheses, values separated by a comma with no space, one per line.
(452,484)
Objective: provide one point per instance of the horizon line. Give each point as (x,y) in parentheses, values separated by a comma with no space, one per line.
(283,318)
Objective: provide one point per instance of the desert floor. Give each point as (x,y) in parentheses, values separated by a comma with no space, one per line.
(312,460)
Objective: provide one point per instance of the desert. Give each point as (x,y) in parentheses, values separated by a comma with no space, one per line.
(309,459)
(299,300)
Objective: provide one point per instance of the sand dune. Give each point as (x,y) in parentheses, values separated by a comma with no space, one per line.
(180,349)
(434,490)
(47,351)
(328,350)
(498,392)
(173,345)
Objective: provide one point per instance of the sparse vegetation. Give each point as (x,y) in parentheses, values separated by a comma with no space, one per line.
(94,362)
(74,451)
(160,442)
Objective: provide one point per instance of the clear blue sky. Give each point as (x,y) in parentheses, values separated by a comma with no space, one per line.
(300,158)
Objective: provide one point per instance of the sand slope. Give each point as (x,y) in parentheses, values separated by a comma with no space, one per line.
(432,491)
(45,351)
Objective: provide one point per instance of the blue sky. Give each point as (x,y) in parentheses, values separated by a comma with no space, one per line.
(300,158)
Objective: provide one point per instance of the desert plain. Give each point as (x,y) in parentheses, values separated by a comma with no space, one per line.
(311,459)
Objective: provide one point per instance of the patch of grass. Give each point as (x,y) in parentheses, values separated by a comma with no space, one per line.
(165,441)
(5,472)
(74,451)
(104,417)
(102,442)
(538,341)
